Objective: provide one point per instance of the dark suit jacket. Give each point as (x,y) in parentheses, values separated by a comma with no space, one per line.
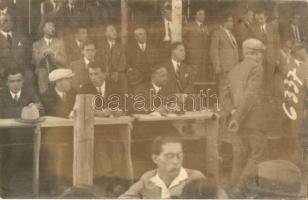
(73,51)
(111,90)
(114,59)
(244,31)
(243,92)
(8,108)
(147,91)
(197,44)
(288,33)
(272,42)
(49,13)
(79,17)
(182,84)
(140,60)
(81,73)
(55,106)
(98,14)
(19,53)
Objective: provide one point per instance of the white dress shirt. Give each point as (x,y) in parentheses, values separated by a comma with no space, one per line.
(86,62)
(156,88)
(15,94)
(176,65)
(142,46)
(61,94)
(5,34)
(48,41)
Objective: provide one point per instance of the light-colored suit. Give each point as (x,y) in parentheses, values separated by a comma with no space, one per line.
(224,54)
(45,65)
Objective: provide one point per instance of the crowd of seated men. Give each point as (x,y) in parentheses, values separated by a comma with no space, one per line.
(254,62)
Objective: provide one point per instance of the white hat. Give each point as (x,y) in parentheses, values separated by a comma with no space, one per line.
(253,45)
(61,73)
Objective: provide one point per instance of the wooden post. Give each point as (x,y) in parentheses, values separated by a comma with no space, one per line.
(36,160)
(124,22)
(83,140)
(177,20)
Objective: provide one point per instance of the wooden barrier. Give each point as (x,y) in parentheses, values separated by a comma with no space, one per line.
(83,140)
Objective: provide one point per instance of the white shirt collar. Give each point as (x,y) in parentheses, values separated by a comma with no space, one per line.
(142,45)
(111,43)
(297,62)
(156,88)
(48,40)
(165,193)
(102,88)
(199,23)
(6,33)
(78,43)
(86,61)
(59,93)
(175,64)
(4,11)
(14,94)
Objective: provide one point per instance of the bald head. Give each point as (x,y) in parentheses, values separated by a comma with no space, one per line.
(140,35)
(6,23)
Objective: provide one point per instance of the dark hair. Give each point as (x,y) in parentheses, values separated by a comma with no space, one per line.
(198,10)
(87,43)
(77,29)
(156,68)
(225,17)
(160,141)
(79,192)
(260,11)
(97,65)
(49,21)
(13,71)
(200,189)
(109,24)
(175,45)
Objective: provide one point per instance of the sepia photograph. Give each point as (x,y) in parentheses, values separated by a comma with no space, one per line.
(154,99)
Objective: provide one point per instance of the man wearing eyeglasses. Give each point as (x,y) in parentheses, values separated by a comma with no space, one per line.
(168,180)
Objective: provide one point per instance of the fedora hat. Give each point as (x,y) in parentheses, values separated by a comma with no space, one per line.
(278,178)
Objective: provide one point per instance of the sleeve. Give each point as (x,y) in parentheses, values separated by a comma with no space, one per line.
(226,97)
(214,51)
(60,55)
(253,86)
(37,55)
(135,191)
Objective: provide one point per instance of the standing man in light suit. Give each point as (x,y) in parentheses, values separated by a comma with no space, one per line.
(224,50)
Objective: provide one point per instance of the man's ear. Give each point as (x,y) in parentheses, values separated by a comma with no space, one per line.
(154,158)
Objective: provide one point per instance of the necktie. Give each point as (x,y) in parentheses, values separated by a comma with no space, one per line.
(15,99)
(99,90)
(297,36)
(64,97)
(201,28)
(9,39)
(177,71)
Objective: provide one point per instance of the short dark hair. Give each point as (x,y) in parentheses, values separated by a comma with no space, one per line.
(87,43)
(226,16)
(79,192)
(156,68)
(260,11)
(49,21)
(198,10)
(13,71)
(78,28)
(200,189)
(160,141)
(97,65)
(175,45)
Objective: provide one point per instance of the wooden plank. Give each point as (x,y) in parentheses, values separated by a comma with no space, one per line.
(125,132)
(186,116)
(36,160)
(124,22)
(83,141)
(177,21)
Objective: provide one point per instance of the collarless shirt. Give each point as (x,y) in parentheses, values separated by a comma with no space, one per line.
(165,191)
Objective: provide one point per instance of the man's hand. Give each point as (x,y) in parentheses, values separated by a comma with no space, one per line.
(233,126)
